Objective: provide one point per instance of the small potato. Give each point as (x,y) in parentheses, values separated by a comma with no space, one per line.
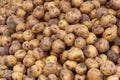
(65,6)
(2,28)
(91,63)
(28,35)
(46,44)
(92,14)
(97,74)
(54,12)
(34,43)
(54,28)
(90,51)
(117,41)
(19,68)
(113,77)
(96,3)
(42,77)
(61,34)
(46,32)
(79,77)
(69,39)
(115,48)
(17,76)
(62,24)
(81,30)
(16,45)
(53,21)
(38,53)
(58,46)
(29,60)
(4,51)
(69,28)
(84,17)
(49,5)
(8,74)
(97,29)
(110,33)
(81,69)
(20,54)
(108,68)
(2,19)
(38,2)
(39,36)
(28,77)
(101,12)
(86,7)
(10,60)
(66,74)
(77,3)
(62,16)
(75,54)
(5,40)
(95,21)
(52,77)
(51,59)
(118,70)
(112,12)
(115,4)
(20,27)
(73,16)
(34,71)
(18,36)
(102,45)
(89,24)
(63,56)
(38,12)
(20,12)
(80,42)
(40,63)
(102,1)
(26,45)
(27,5)
(46,16)
(71,65)
(113,56)
(50,68)
(37,28)
(91,38)
(107,20)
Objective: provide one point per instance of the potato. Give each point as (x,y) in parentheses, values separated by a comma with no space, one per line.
(58,46)
(97,74)
(38,2)
(34,71)
(38,12)
(81,68)
(81,30)
(42,77)
(80,42)
(54,12)
(81,77)
(53,21)
(61,34)
(27,5)
(4,51)
(50,68)
(28,77)
(52,77)
(46,44)
(51,59)
(28,35)
(71,65)
(10,60)
(66,74)
(115,4)
(102,45)
(19,68)
(75,54)
(91,63)
(86,7)
(8,74)
(108,68)
(69,39)
(77,3)
(73,16)
(62,24)
(113,77)
(17,75)
(20,12)
(37,28)
(63,56)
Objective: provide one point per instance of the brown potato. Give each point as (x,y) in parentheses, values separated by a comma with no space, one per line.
(28,77)
(40,63)
(46,44)
(38,2)
(8,74)
(51,59)
(77,3)
(97,29)
(17,75)
(97,74)
(27,5)
(108,68)
(42,77)
(58,46)
(28,35)
(53,21)
(73,16)
(81,68)
(115,4)
(37,28)
(66,74)
(90,51)
(79,77)
(61,34)
(52,77)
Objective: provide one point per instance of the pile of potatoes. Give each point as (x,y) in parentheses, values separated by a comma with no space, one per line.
(59,39)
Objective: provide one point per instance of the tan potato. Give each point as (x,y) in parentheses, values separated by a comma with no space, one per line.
(51,59)
(28,35)
(97,29)
(97,74)
(27,5)
(108,68)
(28,77)
(42,77)
(77,3)
(81,69)
(62,24)
(52,77)
(61,34)
(113,77)
(115,4)
(73,15)
(17,75)
(81,77)
(37,28)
